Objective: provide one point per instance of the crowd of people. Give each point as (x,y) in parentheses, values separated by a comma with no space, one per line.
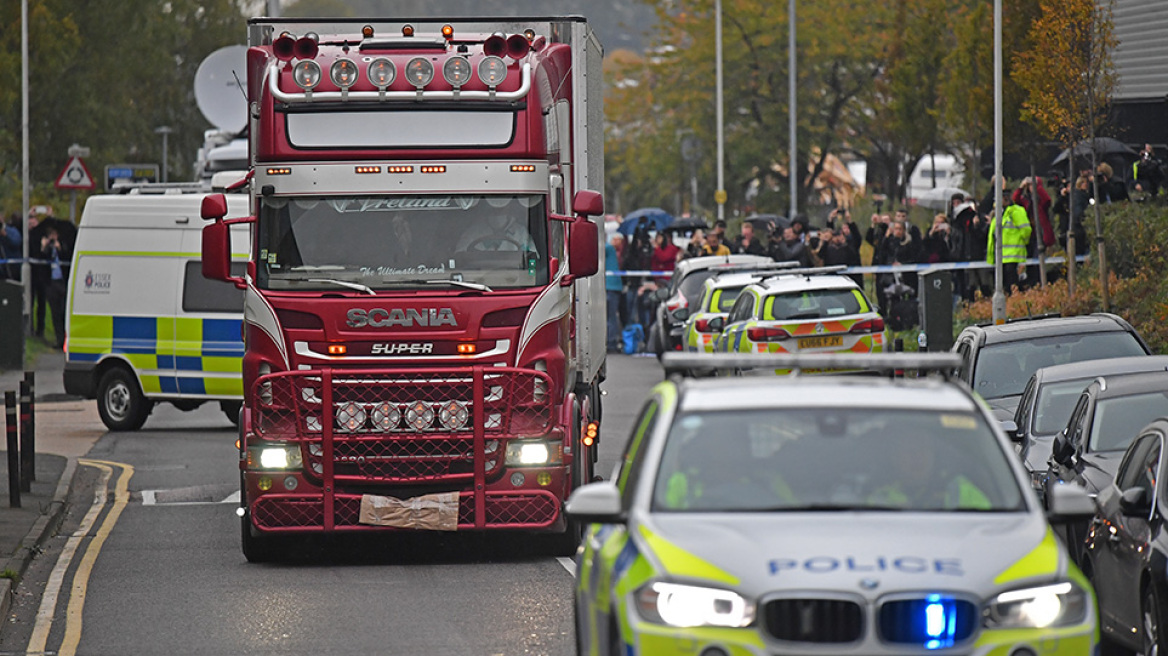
(1032,219)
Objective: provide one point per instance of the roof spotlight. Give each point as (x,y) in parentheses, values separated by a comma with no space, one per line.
(492,71)
(343,72)
(381,72)
(306,74)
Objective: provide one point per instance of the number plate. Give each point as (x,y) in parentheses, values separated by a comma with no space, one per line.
(820,342)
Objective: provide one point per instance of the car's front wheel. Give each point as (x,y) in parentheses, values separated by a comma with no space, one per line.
(120,402)
(1154,641)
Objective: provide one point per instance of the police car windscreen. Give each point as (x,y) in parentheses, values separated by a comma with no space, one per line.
(834,459)
(1004,369)
(395,242)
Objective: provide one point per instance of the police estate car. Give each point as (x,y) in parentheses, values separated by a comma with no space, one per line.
(717,297)
(824,515)
(802,313)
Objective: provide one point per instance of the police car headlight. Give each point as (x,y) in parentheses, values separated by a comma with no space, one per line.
(1061,604)
(691,605)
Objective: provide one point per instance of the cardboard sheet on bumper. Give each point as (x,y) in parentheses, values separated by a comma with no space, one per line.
(429,512)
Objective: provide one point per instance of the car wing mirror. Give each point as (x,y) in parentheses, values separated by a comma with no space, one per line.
(596,503)
(681,314)
(1011,430)
(1135,502)
(1069,503)
(717,324)
(1061,450)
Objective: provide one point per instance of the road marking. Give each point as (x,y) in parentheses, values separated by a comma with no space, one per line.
(198,495)
(44,620)
(568,564)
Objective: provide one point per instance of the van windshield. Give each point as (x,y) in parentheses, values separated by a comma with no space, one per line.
(396,242)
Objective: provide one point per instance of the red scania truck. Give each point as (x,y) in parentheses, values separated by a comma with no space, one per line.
(425,335)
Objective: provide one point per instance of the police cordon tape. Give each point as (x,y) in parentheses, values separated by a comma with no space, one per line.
(880,268)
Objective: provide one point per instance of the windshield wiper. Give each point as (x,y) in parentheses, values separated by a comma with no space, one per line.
(833,507)
(345,283)
(459,283)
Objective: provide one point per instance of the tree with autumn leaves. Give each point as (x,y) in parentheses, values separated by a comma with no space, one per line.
(890,82)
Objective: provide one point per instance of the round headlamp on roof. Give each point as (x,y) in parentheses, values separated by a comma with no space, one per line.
(419,71)
(381,72)
(343,72)
(456,70)
(306,74)
(492,71)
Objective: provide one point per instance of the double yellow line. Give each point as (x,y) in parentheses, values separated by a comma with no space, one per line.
(44,620)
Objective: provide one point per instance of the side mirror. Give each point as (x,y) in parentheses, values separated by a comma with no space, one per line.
(588,203)
(681,314)
(596,503)
(1135,502)
(583,248)
(1011,430)
(1069,503)
(1061,450)
(214,207)
(717,324)
(217,250)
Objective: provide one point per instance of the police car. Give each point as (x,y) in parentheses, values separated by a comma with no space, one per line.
(802,313)
(717,297)
(824,515)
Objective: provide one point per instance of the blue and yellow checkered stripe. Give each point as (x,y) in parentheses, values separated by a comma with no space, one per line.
(194,356)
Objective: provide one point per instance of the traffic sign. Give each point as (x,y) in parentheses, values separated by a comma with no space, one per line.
(75,175)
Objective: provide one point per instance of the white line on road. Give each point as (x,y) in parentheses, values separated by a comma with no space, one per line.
(568,564)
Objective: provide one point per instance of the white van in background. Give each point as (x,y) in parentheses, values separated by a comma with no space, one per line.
(943,169)
(143,325)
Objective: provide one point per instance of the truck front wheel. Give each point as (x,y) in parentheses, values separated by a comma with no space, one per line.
(256,548)
(120,401)
(565,544)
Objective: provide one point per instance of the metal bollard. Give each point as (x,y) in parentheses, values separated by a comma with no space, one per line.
(13,450)
(27,444)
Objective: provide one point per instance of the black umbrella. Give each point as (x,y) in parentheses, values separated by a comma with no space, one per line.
(687,224)
(66,233)
(1104,147)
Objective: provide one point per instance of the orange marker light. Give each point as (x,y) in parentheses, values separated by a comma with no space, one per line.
(448,31)
(337,349)
(466,349)
(522,168)
(367,31)
(399,169)
(368,169)
(590,433)
(280,171)
(433,169)
(407,30)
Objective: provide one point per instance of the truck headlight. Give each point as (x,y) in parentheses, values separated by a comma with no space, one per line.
(533,453)
(1060,604)
(274,456)
(690,605)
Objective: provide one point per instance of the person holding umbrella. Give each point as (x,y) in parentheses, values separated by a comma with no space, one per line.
(50,270)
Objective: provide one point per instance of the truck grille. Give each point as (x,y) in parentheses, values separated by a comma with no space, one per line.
(408,427)
(814,620)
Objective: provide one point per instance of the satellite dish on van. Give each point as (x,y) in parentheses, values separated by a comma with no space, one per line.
(217,89)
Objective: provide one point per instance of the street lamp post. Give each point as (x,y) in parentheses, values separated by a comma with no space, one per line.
(999,300)
(720,193)
(165,131)
(794,165)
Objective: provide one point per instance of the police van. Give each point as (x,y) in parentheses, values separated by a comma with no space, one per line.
(143,324)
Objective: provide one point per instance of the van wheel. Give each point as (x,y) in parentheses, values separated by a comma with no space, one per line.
(120,401)
(232,410)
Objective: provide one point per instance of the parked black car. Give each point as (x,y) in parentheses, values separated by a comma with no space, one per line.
(673,305)
(1049,398)
(997,360)
(1107,417)
(1127,547)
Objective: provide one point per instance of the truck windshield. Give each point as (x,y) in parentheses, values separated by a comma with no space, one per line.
(396,242)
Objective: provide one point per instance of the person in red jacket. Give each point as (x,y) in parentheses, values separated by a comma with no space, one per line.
(1044,230)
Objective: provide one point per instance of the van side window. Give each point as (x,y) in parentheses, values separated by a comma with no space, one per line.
(203,295)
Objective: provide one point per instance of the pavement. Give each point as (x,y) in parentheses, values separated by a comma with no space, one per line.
(67,427)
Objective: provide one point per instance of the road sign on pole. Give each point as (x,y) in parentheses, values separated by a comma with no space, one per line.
(75,175)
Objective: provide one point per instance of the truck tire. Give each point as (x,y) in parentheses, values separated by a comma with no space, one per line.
(256,548)
(232,410)
(566,543)
(120,401)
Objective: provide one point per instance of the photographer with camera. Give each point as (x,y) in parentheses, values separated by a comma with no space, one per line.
(58,254)
(1147,172)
